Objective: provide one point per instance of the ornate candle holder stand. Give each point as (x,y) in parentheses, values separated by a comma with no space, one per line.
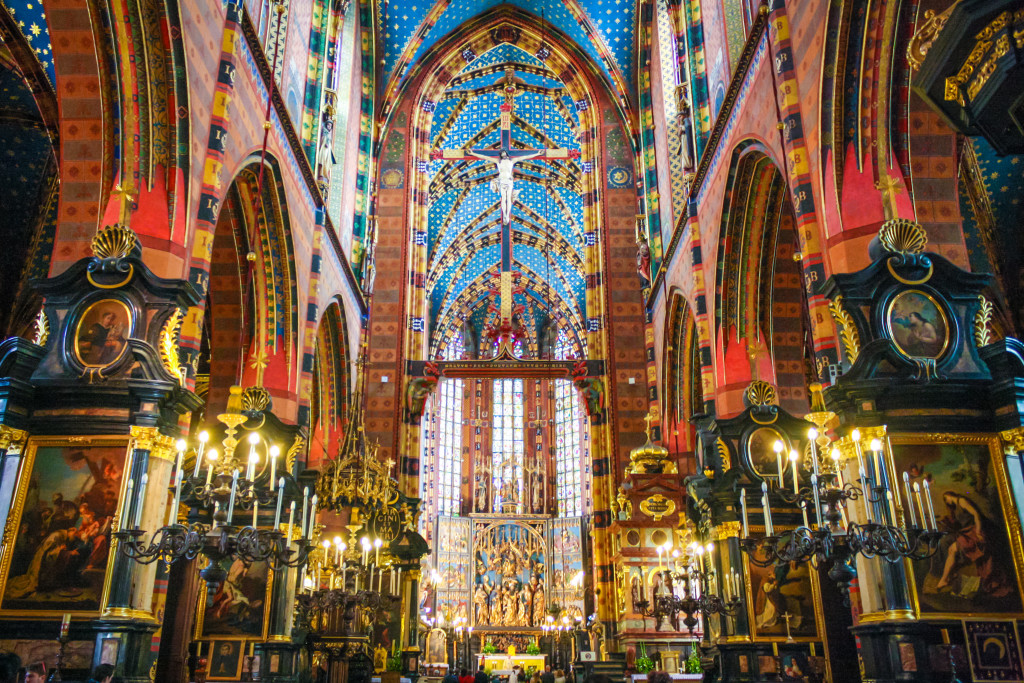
(669,605)
(55,675)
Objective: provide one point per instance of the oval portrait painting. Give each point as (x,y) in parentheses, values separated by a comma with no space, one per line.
(102,333)
(917,325)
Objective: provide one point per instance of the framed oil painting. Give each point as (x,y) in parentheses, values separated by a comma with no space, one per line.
(225,660)
(238,608)
(782,602)
(68,495)
(102,332)
(917,325)
(761,451)
(973,571)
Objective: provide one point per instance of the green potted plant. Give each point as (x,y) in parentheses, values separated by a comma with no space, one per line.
(644,664)
(489,648)
(692,664)
(533,648)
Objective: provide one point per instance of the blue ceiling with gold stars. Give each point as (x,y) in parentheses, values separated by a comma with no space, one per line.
(604,29)
(464,235)
(32,21)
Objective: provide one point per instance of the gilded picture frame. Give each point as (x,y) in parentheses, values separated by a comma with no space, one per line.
(918,324)
(102,331)
(967,475)
(224,659)
(205,632)
(761,455)
(68,501)
(805,593)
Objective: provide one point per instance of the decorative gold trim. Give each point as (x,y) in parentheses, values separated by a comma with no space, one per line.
(902,280)
(42,331)
(761,393)
(902,236)
(118,285)
(888,615)
(255,399)
(169,346)
(150,439)
(847,328)
(197,632)
(114,241)
(128,613)
(657,506)
(982,321)
(9,436)
(725,530)
(928,31)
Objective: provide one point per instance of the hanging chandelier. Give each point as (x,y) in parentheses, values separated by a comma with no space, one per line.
(227,484)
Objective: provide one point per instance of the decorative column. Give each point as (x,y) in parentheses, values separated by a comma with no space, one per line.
(126,607)
(279,655)
(12,443)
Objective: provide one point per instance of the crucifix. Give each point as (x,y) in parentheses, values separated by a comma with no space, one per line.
(787,616)
(505,157)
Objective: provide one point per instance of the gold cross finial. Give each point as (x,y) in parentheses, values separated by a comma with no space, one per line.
(124,194)
(890,185)
(648,419)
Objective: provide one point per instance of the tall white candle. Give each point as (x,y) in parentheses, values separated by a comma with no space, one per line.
(743,506)
(280,501)
(777,447)
(141,499)
(305,507)
(920,505)
(910,500)
(291,520)
(817,498)
(803,511)
(308,533)
(203,438)
(177,496)
(768,528)
(128,492)
(234,492)
(931,507)
(855,436)
(255,512)
(274,452)
(812,435)
(794,461)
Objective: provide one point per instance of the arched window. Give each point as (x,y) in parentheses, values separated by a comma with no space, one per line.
(448,443)
(569,426)
(507,444)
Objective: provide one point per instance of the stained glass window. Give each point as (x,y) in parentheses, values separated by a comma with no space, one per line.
(569,425)
(449,437)
(507,444)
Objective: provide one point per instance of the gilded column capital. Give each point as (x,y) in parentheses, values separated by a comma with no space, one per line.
(150,439)
(9,436)
(725,530)
(1013,440)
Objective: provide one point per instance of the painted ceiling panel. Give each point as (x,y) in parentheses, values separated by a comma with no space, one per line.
(608,39)
(32,22)
(464,243)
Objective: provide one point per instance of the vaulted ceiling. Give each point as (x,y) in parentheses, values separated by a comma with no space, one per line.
(604,29)
(464,237)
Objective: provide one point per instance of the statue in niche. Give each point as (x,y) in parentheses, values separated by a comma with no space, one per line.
(481,602)
(537,602)
(643,258)
(684,126)
(538,491)
(481,493)
(325,152)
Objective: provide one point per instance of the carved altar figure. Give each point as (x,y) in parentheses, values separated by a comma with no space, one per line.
(480,601)
(537,602)
(538,491)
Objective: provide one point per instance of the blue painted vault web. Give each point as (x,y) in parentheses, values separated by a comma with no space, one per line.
(463,218)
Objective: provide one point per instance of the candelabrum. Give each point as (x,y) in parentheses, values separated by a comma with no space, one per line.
(339,612)
(834,538)
(686,589)
(223,491)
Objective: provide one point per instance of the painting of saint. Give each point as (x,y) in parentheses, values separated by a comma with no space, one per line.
(60,553)
(102,333)
(782,600)
(973,569)
(917,325)
(238,606)
(225,660)
(436,647)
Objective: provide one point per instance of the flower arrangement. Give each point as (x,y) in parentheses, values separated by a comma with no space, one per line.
(489,648)
(533,648)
